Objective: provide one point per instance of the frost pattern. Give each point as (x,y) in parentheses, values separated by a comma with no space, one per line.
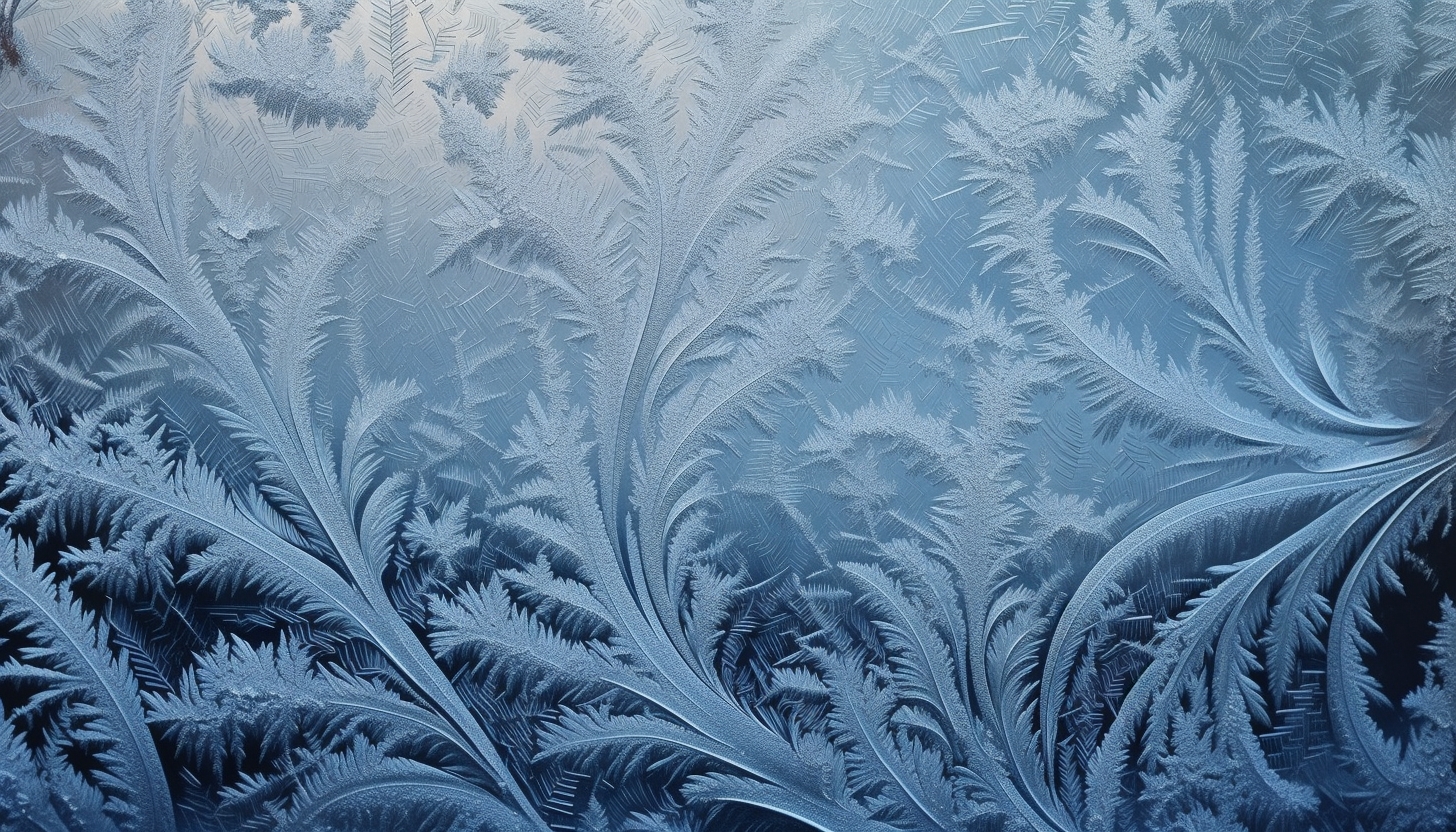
(673,415)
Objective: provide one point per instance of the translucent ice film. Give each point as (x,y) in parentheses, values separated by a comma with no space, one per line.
(727,415)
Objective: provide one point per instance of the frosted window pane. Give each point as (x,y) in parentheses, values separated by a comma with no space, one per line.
(737,415)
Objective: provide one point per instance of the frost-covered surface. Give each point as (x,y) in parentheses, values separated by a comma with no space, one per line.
(736,415)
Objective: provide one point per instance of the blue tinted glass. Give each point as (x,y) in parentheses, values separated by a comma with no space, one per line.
(739,415)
